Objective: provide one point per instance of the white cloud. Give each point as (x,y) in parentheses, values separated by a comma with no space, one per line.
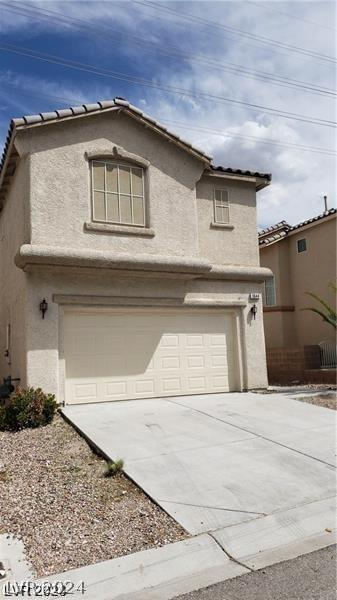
(298,177)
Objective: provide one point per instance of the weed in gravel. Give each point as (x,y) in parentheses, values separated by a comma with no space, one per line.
(74,469)
(114,467)
(4,476)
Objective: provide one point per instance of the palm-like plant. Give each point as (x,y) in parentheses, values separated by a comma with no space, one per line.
(327,312)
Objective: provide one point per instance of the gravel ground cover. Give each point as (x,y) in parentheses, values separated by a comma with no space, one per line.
(328,400)
(53,494)
(322,395)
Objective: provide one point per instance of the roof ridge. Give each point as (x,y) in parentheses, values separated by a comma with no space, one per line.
(116,103)
(279,225)
(102,105)
(277,234)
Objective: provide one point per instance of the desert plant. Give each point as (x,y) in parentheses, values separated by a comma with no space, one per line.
(327,312)
(114,467)
(27,408)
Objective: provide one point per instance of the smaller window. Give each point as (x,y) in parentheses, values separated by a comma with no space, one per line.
(269,292)
(301,245)
(221,206)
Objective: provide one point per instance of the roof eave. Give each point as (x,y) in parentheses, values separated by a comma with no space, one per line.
(260,182)
(6,165)
(263,183)
(272,242)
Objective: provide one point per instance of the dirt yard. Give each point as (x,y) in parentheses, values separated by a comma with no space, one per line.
(53,494)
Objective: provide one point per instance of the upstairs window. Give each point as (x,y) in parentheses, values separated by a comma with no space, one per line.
(301,245)
(118,193)
(221,206)
(269,292)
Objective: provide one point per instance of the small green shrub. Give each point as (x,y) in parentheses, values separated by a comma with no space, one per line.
(114,467)
(27,408)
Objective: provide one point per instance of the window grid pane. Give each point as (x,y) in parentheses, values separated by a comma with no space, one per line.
(138,210)
(117,202)
(111,178)
(99,206)
(112,207)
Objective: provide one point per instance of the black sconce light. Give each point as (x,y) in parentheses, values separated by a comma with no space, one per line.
(253,310)
(43,307)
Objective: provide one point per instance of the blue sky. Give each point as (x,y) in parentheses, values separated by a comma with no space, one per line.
(142,41)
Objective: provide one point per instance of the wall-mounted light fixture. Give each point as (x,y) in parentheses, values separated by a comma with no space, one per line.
(253,310)
(43,307)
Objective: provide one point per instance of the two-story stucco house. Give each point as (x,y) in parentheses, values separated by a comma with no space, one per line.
(303,259)
(145,253)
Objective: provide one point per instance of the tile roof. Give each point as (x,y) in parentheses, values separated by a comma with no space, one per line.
(241,172)
(74,111)
(280,225)
(116,103)
(280,230)
(9,155)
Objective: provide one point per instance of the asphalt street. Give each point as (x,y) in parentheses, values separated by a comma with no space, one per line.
(308,577)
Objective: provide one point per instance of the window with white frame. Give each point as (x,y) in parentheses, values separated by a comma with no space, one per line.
(221,206)
(269,296)
(118,193)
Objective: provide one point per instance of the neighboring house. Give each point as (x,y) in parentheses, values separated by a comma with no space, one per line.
(145,253)
(303,259)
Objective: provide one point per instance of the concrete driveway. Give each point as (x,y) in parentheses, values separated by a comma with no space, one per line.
(255,471)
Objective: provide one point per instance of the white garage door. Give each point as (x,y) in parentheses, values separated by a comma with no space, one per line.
(129,354)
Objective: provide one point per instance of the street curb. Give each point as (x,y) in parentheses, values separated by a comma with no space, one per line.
(156,574)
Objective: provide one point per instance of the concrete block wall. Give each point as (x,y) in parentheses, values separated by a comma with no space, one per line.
(291,364)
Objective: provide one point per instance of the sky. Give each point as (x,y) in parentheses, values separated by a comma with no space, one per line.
(217,73)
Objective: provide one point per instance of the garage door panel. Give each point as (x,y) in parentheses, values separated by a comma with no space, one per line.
(170,362)
(196,361)
(115,390)
(218,360)
(116,356)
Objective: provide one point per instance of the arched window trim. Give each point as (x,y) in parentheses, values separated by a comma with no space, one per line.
(117,153)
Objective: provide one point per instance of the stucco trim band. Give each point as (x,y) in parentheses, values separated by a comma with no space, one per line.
(119,229)
(71,257)
(29,255)
(134,301)
(236,273)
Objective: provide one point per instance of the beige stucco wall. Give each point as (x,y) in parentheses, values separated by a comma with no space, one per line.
(60,186)
(280,330)
(312,271)
(237,246)
(295,274)
(14,231)
(180,208)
